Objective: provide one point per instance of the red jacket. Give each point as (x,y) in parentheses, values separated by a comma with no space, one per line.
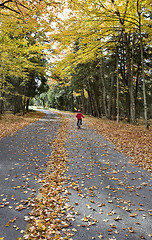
(79,115)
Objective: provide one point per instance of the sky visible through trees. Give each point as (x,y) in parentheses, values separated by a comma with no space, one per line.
(96,55)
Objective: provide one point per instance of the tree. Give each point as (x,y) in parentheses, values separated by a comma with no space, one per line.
(114,27)
(22,62)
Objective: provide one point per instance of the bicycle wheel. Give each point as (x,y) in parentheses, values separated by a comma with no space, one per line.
(79,123)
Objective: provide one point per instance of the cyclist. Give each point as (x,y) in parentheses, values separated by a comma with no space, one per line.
(79,117)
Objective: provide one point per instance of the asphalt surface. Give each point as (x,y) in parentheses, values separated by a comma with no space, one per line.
(112,197)
(23,160)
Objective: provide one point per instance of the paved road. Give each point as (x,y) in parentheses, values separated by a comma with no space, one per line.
(112,198)
(23,159)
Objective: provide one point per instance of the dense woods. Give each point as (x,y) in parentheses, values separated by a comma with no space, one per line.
(107,66)
(98,53)
(23,61)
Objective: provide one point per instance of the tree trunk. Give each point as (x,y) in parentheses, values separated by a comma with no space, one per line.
(91,102)
(72,102)
(23,104)
(110,95)
(128,106)
(151,110)
(27,104)
(17,104)
(117,101)
(136,92)
(130,80)
(1,106)
(2,94)
(103,87)
(93,99)
(83,100)
(142,67)
(144,85)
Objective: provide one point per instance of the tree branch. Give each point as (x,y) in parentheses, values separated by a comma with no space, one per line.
(4,6)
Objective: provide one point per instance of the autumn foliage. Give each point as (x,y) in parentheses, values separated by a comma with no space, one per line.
(132,140)
(49,218)
(11,123)
(52,213)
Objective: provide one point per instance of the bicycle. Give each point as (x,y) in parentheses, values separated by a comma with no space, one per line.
(79,117)
(79,123)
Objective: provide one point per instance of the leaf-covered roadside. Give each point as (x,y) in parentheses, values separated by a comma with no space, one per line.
(132,140)
(51,213)
(11,123)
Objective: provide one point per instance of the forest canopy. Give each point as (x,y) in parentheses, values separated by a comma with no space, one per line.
(23,58)
(98,54)
(106,53)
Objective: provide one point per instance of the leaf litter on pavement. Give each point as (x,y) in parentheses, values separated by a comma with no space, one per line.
(53,215)
(105,190)
(51,212)
(9,123)
(133,140)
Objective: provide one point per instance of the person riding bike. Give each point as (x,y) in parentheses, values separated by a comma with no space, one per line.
(79,117)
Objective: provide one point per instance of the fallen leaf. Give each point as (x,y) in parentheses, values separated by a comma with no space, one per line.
(142,237)
(100,236)
(131,230)
(117,218)
(7,224)
(133,215)
(84,219)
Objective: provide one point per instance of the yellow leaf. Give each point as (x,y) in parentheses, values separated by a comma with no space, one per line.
(133,215)
(84,219)
(100,236)
(7,224)
(57,237)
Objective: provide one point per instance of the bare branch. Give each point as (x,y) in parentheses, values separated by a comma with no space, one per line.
(15,3)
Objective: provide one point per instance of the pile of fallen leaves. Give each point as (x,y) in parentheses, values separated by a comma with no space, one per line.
(51,213)
(10,123)
(133,140)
